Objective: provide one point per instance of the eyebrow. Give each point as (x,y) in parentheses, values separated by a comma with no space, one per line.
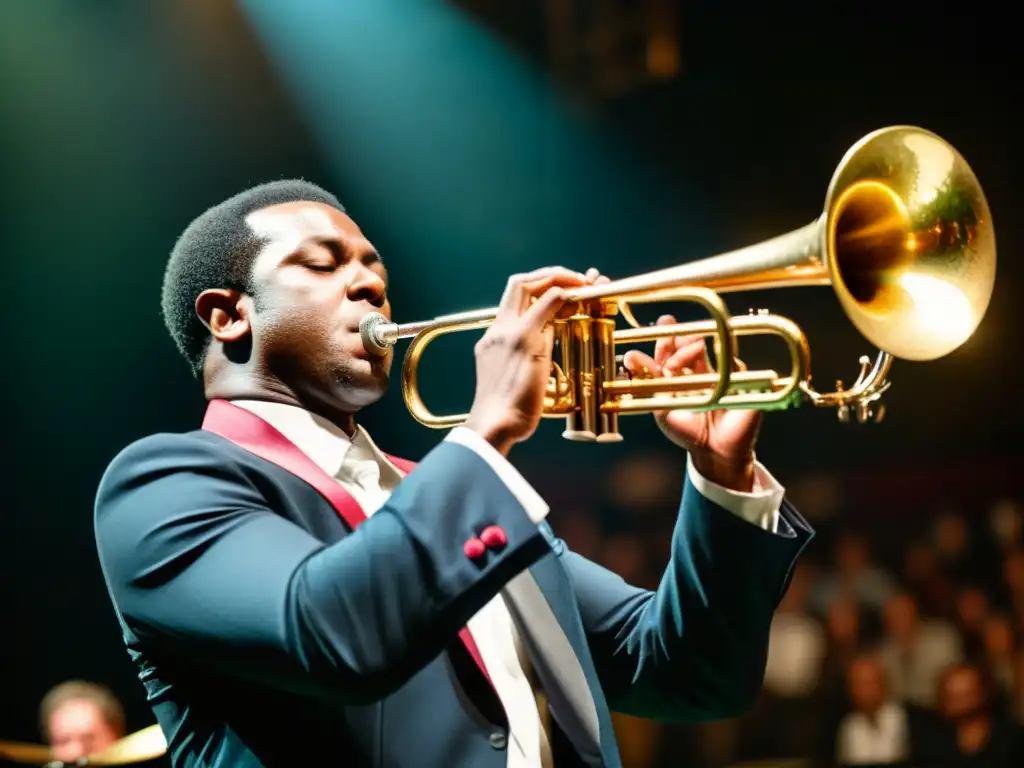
(335,245)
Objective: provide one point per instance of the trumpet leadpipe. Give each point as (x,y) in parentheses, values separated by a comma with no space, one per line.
(379,334)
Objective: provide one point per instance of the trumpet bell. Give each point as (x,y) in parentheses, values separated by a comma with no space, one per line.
(909,243)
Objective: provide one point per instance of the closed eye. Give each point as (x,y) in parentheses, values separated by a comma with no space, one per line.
(326,258)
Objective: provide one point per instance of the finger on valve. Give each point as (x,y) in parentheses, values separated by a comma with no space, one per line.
(688,359)
(639,366)
(666,345)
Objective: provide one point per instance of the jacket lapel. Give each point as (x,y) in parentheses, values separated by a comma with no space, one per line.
(248,431)
(544,607)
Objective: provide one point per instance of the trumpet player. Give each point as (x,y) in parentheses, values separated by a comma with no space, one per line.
(289,591)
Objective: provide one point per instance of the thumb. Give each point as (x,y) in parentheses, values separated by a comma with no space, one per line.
(686,429)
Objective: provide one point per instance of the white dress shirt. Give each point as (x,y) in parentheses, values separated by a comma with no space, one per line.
(365,472)
(878,740)
(796,650)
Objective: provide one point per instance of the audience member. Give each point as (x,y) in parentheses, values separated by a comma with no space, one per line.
(970,613)
(877,730)
(915,651)
(78,718)
(970,729)
(999,657)
(855,576)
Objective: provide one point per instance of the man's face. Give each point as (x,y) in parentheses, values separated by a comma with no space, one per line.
(77,729)
(852,556)
(844,620)
(867,685)
(900,616)
(971,607)
(962,693)
(316,277)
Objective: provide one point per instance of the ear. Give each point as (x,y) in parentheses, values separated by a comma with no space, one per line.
(225,312)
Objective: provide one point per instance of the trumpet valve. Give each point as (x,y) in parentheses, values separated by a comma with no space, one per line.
(622,372)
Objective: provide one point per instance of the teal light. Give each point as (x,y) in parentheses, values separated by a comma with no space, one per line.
(460,159)
(462,162)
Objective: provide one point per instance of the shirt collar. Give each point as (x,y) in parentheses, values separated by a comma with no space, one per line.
(324,443)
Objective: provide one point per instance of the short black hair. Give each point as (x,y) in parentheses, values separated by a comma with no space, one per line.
(217,250)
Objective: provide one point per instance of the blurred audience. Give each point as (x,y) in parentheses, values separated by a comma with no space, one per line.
(970,615)
(972,729)
(894,646)
(78,718)
(1013,574)
(1007,525)
(876,731)
(854,576)
(952,545)
(914,652)
(798,644)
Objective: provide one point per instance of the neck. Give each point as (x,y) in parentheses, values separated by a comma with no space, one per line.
(972,732)
(239,385)
(907,638)
(873,712)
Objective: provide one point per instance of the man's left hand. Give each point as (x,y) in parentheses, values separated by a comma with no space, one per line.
(720,442)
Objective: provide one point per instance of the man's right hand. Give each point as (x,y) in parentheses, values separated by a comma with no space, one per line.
(513,359)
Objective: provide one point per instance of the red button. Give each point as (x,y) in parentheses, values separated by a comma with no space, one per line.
(474,548)
(493,537)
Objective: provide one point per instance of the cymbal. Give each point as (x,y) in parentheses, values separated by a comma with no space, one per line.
(22,752)
(147,744)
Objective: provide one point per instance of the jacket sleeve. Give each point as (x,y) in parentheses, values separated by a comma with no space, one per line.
(198,565)
(695,648)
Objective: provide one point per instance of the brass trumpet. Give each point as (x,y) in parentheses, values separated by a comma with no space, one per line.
(905,240)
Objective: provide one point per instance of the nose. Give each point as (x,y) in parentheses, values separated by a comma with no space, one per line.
(367,285)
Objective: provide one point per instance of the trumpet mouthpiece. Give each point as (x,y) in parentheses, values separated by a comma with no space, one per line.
(372,330)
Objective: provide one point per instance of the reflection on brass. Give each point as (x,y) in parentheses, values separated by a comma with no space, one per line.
(147,744)
(138,747)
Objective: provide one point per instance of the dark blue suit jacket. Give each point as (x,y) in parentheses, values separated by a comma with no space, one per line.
(266,632)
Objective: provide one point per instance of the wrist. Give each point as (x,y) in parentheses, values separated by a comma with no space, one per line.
(493,432)
(733,472)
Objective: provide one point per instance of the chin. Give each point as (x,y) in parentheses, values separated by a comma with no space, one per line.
(363,382)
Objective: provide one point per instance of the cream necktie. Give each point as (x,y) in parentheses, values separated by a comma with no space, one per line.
(546,758)
(360,468)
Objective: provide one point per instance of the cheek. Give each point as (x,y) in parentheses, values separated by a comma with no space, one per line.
(286,308)
(291,331)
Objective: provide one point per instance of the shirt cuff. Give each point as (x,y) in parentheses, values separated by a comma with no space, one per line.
(760,506)
(535,506)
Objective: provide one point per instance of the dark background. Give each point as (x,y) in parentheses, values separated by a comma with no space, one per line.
(463,161)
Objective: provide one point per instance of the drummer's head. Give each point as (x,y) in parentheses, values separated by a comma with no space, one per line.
(78,718)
